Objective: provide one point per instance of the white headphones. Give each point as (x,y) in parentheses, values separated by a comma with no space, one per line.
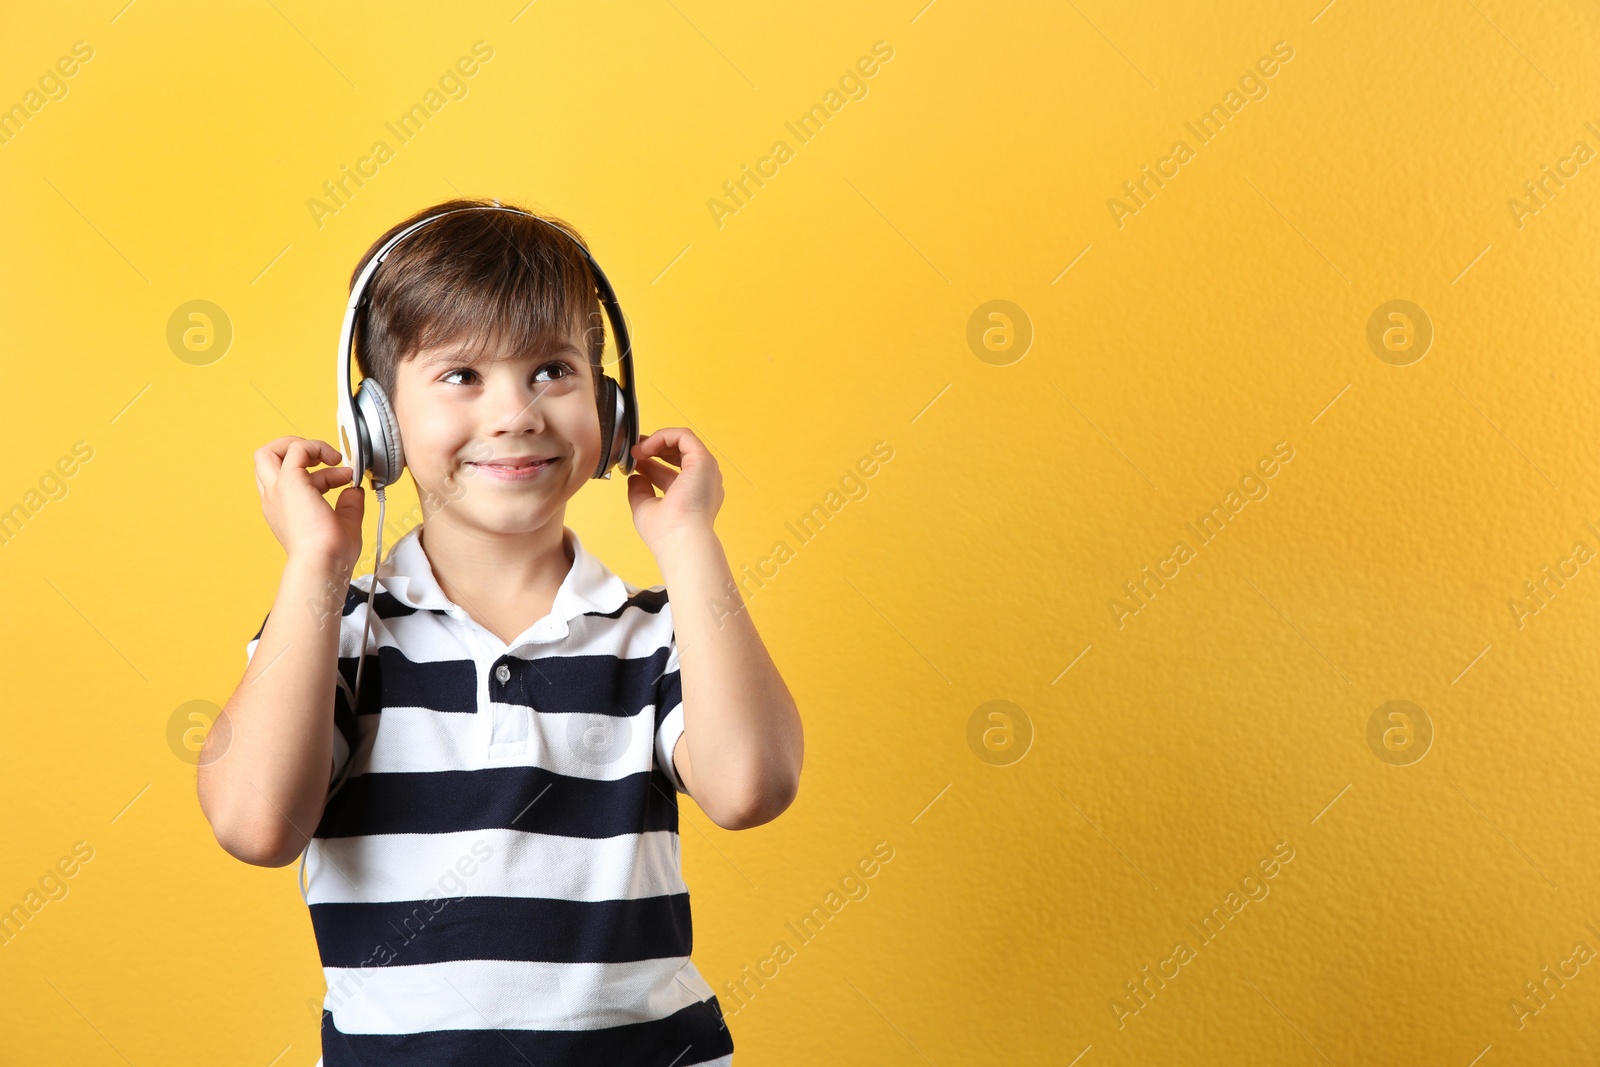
(369,436)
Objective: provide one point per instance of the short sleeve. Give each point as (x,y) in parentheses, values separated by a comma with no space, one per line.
(344,721)
(669,709)
(347,734)
(346,731)
(250,646)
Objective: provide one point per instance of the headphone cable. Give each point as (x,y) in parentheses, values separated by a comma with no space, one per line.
(361,662)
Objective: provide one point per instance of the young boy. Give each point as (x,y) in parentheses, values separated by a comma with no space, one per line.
(497,879)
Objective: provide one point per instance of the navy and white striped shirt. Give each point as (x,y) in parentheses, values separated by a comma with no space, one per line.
(498,880)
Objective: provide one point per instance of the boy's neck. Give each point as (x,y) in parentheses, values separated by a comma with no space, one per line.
(474,567)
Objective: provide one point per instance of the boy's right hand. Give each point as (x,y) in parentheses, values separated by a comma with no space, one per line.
(292,501)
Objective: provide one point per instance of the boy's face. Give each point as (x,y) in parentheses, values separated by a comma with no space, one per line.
(469,425)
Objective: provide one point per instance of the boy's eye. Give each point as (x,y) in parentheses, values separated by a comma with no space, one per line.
(566,371)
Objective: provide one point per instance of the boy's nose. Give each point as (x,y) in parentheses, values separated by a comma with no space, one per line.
(517,407)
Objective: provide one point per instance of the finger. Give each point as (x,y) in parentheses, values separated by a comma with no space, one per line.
(313,451)
(278,445)
(304,454)
(639,489)
(274,450)
(661,476)
(308,453)
(328,477)
(659,444)
(269,461)
(298,454)
(676,444)
(327,453)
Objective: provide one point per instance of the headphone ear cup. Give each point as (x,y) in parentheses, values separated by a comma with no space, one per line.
(383,433)
(610,420)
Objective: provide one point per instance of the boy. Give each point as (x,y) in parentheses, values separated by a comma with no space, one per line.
(497,880)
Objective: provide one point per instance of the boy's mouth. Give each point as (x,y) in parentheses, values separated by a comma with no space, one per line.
(514,468)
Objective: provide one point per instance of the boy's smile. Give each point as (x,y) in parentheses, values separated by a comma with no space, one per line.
(515,469)
(498,443)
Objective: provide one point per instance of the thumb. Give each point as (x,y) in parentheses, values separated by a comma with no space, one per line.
(639,489)
(351,506)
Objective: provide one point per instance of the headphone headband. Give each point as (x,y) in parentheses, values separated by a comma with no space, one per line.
(368,438)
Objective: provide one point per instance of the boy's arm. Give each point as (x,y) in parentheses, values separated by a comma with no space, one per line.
(740,752)
(264,771)
(263,775)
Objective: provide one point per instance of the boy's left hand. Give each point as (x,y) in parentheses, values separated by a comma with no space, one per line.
(691,496)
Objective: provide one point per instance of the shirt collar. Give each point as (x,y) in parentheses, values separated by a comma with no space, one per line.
(588,587)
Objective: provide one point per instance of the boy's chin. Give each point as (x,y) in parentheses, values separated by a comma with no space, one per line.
(499,511)
(502,523)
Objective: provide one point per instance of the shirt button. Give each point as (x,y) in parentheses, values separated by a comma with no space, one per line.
(503,673)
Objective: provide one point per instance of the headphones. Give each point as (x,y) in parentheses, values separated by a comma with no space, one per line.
(369,436)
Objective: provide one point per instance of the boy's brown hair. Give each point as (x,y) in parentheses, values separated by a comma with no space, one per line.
(489,277)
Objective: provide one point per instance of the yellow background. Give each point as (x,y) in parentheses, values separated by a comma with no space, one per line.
(829,313)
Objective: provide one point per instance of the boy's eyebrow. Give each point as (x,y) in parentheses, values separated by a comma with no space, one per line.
(454,354)
(439,356)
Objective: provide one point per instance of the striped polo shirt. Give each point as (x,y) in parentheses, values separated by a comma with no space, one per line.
(498,880)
